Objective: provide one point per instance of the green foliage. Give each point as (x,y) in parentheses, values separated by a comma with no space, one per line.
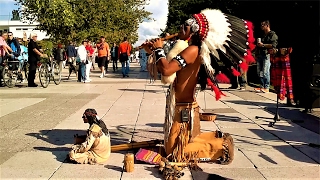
(47,46)
(179,11)
(86,19)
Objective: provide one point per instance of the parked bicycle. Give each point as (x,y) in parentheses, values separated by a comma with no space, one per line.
(12,72)
(48,71)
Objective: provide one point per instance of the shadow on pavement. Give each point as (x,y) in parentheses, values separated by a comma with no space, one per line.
(63,138)
(298,150)
(142,90)
(307,121)
(154,124)
(115,168)
(207,176)
(228,118)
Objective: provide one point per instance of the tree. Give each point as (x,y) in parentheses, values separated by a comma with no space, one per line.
(179,11)
(80,19)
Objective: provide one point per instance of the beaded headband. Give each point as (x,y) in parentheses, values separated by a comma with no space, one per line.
(199,23)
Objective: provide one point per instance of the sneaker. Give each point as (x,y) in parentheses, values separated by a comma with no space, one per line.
(265,90)
(86,81)
(242,88)
(257,89)
(101,76)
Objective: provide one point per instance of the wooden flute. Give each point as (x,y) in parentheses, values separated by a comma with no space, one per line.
(163,39)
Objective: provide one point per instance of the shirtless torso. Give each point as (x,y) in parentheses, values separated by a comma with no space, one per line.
(186,82)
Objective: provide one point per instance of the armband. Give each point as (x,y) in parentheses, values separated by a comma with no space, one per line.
(182,62)
(159,53)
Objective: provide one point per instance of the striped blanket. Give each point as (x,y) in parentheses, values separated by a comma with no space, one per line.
(148,156)
(281,77)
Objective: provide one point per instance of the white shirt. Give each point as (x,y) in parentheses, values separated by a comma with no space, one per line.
(82,53)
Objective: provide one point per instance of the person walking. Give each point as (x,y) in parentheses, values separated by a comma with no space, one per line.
(103,54)
(114,57)
(124,53)
(82,57)
(58,56)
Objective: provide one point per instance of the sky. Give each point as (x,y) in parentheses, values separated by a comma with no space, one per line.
(148,29)
(6,7)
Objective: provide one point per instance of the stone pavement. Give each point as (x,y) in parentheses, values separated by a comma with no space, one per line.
(37,127)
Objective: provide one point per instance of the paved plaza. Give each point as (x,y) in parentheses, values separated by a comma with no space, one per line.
(38,124)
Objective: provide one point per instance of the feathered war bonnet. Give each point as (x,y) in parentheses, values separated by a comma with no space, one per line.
(223,34)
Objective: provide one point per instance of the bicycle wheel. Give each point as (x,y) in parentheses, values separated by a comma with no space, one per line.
(9,78)
(56,74)
(44,75)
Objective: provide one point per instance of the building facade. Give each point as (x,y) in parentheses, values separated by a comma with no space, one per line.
(19,28)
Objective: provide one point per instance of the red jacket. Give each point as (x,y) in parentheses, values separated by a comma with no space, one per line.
(90,50)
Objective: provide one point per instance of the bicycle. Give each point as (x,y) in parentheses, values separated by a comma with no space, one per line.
(10,72)
(48,71)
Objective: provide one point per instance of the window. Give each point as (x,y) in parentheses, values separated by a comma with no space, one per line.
(25,29)
(18,29)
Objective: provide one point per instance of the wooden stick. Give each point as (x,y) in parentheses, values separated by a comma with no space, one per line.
(129,146)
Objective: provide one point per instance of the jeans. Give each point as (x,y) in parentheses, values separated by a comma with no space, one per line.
(82,72)
(32,72)
(263,69)
(125,68)
(143,63)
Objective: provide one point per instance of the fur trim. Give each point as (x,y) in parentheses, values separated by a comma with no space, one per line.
(179,46)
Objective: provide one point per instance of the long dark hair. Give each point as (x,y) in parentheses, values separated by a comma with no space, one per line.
(91,115)
(202,74)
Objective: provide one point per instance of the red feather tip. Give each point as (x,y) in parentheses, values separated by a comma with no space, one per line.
(209,82)
(251,46)
(215,89)
(249,58)
(244,66)
(235,72)
(222,78)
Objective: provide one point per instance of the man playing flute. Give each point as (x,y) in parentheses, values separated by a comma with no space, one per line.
(208,33)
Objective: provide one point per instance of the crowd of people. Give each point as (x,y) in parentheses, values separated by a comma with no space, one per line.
(82,59)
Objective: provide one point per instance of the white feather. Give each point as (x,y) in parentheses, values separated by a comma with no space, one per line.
(179,46)
(219,31)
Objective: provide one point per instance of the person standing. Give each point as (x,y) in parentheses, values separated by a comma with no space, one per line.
(34,56)
(82,56)
(90,52)
(103,54)
(4,51)
(264,45)
(114,57)
(71,54)
(58,56)
(124,53)
(14,45)
(143,60)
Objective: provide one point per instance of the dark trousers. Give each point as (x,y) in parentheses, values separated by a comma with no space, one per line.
(106,65)
(32,72)
(82,72)
(114,64)
(31,77)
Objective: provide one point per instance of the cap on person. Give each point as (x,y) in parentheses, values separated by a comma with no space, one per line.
(33,34)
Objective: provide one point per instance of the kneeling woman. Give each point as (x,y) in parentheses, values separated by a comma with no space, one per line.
(95,147)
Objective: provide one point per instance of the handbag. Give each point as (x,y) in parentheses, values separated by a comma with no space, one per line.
(124,56)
